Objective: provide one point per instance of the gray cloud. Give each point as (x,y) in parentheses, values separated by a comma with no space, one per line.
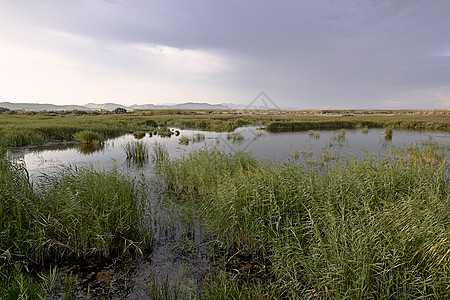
(347,53)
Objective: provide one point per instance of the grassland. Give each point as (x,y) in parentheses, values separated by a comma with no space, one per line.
(366,229)
(79,213)
(23,128)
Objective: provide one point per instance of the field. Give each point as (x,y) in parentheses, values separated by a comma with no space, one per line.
(352,228)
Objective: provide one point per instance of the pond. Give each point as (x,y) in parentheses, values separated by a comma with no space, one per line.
(180,253)
(261,144)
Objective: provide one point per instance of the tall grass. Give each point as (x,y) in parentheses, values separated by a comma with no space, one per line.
(388,133)
(369,228)
(160,153)
(74,214)
(136,150)
(88,137)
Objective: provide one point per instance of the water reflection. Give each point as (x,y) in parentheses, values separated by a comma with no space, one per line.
(282,146)
(89,148)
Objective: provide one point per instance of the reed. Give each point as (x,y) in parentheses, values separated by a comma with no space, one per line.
(76,213)
(365,130)
(198,137)
(88,137)
(314,134)
(160,153)
(138,134)
(184,140)
(367,228)
(235,137)
(136,150)
(388,133)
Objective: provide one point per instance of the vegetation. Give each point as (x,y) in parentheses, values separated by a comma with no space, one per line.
(77,213)
(24,127)
(314,134)
(160,153)
(370,228)
(88,137)
(388,133)
(139,134)
(184,140)
(136,150)
(365,130)
(235,137)
(198,137)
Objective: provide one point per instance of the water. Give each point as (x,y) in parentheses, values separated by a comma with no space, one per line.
(180,253)
(261,144)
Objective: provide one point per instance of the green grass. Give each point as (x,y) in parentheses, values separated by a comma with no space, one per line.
(160,153)
(88,137)
(77,213)
(139,134)
(369,228)
(388,133)
(198,137)
(314,134)
(235,137)
(184,140)
(136,150)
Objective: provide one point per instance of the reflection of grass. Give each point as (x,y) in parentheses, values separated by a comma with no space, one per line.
(77,213)
(358,228)
(90,148)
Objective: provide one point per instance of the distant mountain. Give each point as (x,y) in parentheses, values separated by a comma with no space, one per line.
(188,105)
(112,106)
(37,106)
(106,106)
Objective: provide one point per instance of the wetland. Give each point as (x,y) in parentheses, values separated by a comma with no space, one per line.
(225,206)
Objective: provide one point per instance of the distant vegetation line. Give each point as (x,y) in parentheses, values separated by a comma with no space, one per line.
(18,128)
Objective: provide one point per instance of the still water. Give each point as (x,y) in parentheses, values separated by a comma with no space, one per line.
(265,145)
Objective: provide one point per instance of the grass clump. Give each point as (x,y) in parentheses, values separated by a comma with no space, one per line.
(388,133)
(198,137)
(369,228)
(184,140)
(88,137)
(160,153)
(137,150)
(314,134)
(235,137)
(77,213)
(138,134)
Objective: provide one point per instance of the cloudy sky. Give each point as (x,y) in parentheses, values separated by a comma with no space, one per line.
(302,53)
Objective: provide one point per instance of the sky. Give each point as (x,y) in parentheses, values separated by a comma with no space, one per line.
(303,54)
